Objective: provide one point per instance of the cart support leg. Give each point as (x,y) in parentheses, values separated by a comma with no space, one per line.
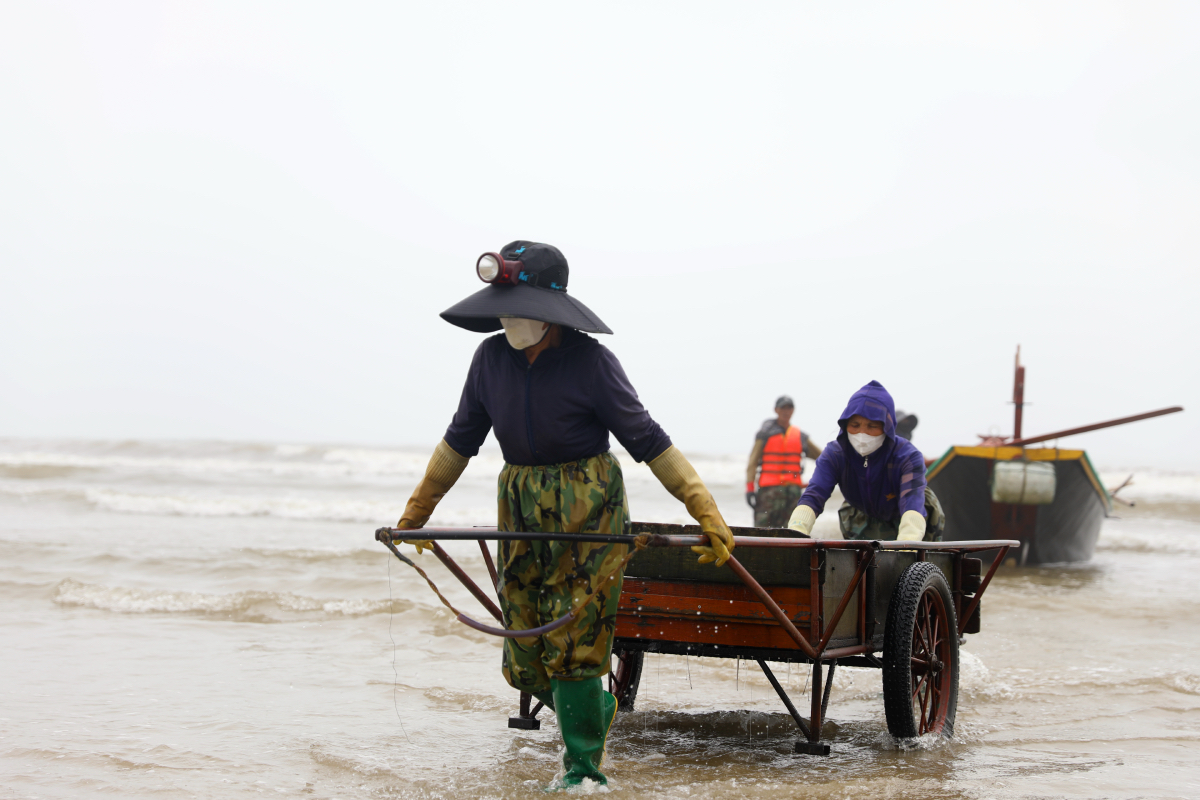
(828,688)
(787,701)
(466,581)
(527,720)
(814,746)
(491,565)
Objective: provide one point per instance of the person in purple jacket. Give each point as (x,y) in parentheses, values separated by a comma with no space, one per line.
(552,395)
(881,475)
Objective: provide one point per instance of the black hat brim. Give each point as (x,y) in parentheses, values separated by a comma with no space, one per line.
(481,311)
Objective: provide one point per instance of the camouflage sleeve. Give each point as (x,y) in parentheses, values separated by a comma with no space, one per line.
(755,461)
(810,448)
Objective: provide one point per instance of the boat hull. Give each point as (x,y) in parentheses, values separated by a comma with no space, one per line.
(1065,530)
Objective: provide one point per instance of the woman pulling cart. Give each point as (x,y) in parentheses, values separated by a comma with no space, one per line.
(552,395)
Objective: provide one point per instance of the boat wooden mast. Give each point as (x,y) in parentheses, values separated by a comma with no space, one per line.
(1018,395)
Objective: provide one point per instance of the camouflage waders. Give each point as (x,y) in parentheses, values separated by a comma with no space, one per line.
(775,505)
(857,525)
(542,581)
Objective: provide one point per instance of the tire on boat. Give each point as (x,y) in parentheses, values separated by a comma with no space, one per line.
(920,655)
(625,677)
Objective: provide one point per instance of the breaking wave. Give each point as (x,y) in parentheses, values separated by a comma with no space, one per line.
(1155,486)
(334,509)
(1186,683)
(227,505)
(217,460)
(331,463)
(248,606)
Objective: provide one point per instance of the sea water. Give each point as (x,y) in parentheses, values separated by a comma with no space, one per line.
(215,620)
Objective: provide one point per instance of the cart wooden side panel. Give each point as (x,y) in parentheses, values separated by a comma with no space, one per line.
(669,598)
(719,614)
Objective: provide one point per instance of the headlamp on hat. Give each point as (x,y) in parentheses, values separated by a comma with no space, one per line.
(492,268)
(532,285)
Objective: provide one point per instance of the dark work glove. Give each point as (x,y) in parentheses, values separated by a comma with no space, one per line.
(752,500)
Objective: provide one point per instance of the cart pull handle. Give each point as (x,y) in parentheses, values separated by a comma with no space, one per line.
(639,542)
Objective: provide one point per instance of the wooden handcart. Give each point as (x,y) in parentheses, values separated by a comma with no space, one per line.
(902,607)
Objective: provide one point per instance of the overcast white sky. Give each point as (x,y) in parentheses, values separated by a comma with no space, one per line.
(240,220)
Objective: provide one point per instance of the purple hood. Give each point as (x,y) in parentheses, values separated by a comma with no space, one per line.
(873,402)
(886,483)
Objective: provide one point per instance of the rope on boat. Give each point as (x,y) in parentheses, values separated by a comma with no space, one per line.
(639,542)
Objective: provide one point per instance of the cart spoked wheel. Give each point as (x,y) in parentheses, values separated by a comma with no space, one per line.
(625,676)
(920,655)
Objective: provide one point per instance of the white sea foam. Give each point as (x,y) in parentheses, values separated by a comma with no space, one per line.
(397,464)
(1151,536)
(715,470)
(976,680)
(299,507)
(248,605)
(365,461)
(308,461)
(1154,485)
(229,505)
(1188,683)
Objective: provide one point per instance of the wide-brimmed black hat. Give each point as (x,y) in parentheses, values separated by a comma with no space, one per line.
(539,291)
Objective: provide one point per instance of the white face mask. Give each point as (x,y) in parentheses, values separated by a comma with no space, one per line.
(522,333)
(865,443)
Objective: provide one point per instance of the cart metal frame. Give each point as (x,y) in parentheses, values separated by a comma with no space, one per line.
(823,618)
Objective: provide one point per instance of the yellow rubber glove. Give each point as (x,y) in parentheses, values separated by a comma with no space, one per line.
(445,466)
(912,527)
(680,479)
(802,520)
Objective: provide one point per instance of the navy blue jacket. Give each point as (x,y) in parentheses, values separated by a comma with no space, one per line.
(884,484)
(560,408)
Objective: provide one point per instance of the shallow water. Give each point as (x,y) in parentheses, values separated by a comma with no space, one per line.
(215,620)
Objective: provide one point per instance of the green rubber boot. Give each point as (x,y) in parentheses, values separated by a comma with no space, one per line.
(585,713)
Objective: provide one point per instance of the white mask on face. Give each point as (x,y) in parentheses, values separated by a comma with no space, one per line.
(865,443)
(522,333)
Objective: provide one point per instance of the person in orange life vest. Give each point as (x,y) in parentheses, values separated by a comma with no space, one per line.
(775,465)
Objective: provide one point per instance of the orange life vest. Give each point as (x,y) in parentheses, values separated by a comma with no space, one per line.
(781,459)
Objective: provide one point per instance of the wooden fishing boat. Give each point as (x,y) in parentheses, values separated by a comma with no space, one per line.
(1050,500)
(1066,529)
